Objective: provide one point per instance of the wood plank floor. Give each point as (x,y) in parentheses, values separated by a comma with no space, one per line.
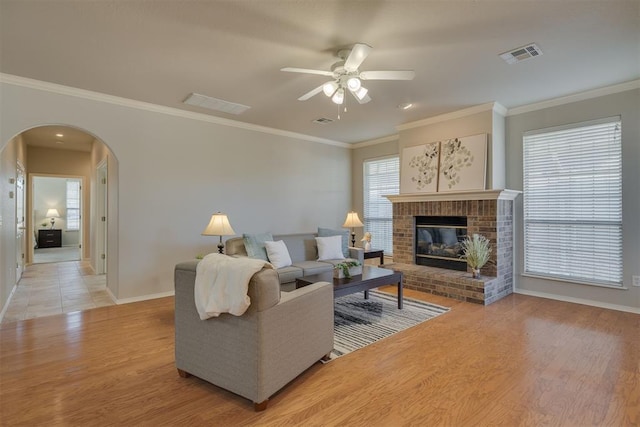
(523,361)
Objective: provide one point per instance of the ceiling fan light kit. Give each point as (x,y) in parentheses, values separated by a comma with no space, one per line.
(346,76)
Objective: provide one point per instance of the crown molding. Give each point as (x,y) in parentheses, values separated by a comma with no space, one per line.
(490,106)
(390,138)
(155,108)
(581,96)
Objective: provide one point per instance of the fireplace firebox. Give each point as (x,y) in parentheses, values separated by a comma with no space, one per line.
(439,241)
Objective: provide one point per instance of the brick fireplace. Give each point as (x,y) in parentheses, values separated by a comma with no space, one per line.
(488,212)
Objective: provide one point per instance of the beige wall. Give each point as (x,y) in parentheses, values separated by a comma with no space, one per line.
(52,162)
(507,168)
(626,105)
(174,172)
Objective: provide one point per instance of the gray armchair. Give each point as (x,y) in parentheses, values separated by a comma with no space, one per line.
(256,354)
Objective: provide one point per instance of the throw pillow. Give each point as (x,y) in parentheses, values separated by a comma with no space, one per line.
(278,254)
(329,248)
(326,232)
(254,244)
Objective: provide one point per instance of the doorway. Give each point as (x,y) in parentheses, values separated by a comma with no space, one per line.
(21,224)
(56,213)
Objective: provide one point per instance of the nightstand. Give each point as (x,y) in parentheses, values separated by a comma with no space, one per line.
(49,239)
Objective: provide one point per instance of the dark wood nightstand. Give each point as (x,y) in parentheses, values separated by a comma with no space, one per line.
(375,253)
(49,238)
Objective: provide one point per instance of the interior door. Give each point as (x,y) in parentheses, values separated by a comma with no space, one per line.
(20,222)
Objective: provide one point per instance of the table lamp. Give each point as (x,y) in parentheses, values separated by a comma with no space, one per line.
(353,221)
(53,214)
(219,226)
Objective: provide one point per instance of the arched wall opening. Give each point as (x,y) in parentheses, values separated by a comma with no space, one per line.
(39,150)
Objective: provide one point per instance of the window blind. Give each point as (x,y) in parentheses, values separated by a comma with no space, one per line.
(573,202)
(73,205)
(381,178)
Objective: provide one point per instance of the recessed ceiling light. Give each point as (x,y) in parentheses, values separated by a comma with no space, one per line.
(405,106)
(59,135)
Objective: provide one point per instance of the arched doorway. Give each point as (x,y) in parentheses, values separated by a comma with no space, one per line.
(91,169)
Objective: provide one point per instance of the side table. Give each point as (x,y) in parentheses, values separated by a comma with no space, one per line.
(375,253)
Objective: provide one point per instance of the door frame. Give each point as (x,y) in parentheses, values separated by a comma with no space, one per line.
(21,217)
(102,202)
(33,225)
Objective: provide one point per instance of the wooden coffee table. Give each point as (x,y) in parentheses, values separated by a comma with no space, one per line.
(371,277)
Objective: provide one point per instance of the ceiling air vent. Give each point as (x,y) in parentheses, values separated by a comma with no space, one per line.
(215,104)
(522,53)
(323,120)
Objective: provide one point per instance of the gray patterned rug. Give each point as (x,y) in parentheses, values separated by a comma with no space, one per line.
(359,322)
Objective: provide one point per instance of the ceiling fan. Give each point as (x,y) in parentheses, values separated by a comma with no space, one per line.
(345,76)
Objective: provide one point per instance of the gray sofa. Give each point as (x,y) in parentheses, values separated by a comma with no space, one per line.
(254,355)
(304,255)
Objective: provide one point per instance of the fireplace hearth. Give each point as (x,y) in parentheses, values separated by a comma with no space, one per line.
(439,241)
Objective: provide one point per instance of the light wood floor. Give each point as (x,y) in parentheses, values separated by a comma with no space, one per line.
(522,361)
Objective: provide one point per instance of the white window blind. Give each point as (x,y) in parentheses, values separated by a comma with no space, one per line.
(381,178)
(573,202)
(73,205)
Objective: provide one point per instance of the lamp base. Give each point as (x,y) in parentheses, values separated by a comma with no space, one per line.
(220,247)
(353,239)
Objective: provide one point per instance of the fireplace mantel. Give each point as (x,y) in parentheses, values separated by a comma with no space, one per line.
(455,196)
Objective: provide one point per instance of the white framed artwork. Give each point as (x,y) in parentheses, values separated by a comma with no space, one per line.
(463,163)
(419,168)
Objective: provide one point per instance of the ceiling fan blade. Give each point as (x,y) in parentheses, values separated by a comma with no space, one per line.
(311,93)
(388,75)
(307,71)
(359,53)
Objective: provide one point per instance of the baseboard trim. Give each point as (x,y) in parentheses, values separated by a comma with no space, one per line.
(143,297)
(578,301)
(7,302)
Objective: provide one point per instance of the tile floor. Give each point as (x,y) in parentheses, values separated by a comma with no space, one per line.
(55,288)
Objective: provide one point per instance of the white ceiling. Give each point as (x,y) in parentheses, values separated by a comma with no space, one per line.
(48,137)
(160,52)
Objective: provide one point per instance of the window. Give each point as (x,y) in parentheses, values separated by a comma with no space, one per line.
(381,177)
(573,202)
(73,205)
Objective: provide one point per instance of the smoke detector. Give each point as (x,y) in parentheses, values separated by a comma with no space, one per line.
(521,54)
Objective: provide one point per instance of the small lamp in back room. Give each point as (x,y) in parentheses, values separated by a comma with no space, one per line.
(352,222)
(219,226)
(53,214)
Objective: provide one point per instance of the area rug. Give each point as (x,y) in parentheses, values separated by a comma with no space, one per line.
(359,322)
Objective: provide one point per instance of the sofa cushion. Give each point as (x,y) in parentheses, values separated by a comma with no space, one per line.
(313,267)
(326,232)
(329,247)
(278,254)
(254,244)
(289,274)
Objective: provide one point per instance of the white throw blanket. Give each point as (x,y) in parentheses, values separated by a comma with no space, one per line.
(222,283)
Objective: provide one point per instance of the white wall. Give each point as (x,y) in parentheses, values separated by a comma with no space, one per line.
(174,172)
(627,105)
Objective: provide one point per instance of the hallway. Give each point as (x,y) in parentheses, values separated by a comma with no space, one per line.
(55,288)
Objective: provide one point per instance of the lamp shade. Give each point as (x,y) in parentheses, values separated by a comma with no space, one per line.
(52,213)
(353,220)
(218,226)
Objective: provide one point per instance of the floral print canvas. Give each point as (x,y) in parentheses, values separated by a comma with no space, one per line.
(463,163)
(420,168)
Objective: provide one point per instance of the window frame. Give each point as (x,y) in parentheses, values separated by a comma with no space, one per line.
(368,219)
(572,275)
(69,209)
